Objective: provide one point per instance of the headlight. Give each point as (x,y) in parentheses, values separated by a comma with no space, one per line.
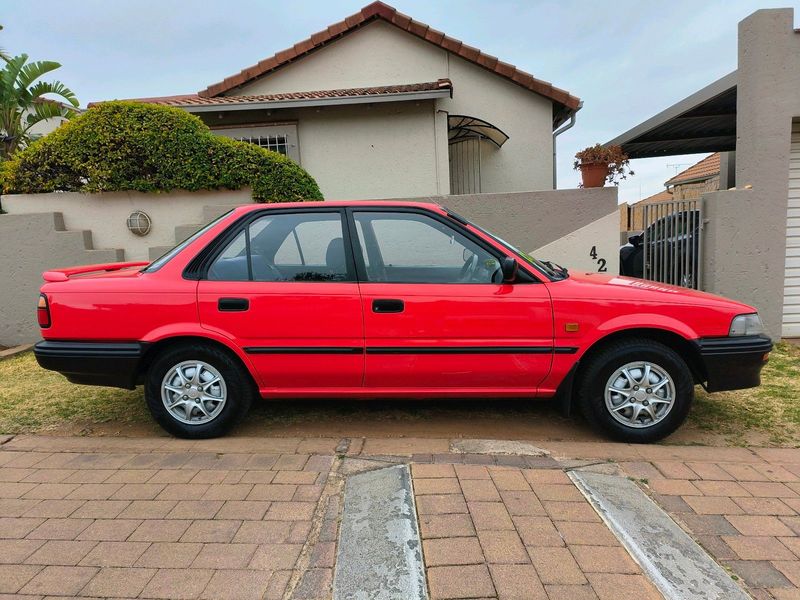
(746,325)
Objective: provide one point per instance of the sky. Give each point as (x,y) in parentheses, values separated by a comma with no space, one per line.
(627,60)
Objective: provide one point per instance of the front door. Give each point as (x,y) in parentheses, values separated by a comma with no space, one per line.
(437,314)
(284,289)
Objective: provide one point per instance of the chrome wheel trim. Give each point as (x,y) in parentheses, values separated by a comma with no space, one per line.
(640,394)
(193,392)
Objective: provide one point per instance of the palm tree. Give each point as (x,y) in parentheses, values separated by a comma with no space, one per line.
(23,103)
(3,56)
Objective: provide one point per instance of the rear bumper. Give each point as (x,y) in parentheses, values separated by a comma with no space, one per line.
(733,363)
(113,364)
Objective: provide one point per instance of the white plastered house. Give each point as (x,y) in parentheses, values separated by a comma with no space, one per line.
(382,106)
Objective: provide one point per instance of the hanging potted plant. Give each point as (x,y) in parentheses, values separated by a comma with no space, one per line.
(599,164)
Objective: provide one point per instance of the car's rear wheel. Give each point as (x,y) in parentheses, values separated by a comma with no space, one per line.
(197,391)
(636,390)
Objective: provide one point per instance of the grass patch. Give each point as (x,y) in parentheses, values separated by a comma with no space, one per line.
(33,399)
(772,408)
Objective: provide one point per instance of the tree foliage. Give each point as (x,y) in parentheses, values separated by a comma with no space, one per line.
(23,101)
(119,146)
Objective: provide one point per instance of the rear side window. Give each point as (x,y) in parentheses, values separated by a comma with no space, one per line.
(286,247)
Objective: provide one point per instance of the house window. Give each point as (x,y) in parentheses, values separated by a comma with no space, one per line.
(276,143)
(278,137)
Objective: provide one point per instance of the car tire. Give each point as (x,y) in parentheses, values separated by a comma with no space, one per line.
(604,389)
(206,419)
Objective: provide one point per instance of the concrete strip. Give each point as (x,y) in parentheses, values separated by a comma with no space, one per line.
(380,553)
(496,447)
(9,352)
(672,560)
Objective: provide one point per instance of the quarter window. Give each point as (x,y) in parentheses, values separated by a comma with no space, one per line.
(286,247)
(415,248)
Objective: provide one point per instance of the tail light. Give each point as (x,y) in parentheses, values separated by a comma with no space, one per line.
(43,312)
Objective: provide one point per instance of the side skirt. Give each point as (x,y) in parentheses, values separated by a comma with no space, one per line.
(410,393)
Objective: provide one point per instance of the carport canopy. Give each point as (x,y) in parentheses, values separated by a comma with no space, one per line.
(702,122)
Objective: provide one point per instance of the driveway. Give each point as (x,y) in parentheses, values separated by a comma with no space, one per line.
(242,517)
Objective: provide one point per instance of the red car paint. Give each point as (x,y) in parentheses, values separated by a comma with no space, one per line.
(120,303)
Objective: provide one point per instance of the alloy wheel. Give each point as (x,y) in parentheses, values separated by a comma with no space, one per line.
(640,394)
(193,392)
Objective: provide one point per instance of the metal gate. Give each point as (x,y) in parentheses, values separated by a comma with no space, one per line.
(672,244)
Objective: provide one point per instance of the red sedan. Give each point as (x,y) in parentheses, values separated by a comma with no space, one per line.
(362,299)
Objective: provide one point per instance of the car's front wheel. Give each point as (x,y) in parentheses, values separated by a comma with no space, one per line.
(636,390)
(197,391)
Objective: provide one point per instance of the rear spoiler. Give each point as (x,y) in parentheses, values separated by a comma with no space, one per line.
(65,274)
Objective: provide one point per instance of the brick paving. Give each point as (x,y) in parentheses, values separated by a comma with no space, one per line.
(744,512)
(180,524)
(509,532)
(258,517)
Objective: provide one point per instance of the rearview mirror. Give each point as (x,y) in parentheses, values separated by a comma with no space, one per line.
(509,268)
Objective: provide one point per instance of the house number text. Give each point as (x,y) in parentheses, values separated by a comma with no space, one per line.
(601,262)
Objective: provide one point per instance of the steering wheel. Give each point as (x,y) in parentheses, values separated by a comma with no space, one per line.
(469,268)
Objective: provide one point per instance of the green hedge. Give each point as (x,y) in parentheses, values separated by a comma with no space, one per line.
(120,146)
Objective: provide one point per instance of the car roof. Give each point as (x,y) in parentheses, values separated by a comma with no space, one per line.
(340,203)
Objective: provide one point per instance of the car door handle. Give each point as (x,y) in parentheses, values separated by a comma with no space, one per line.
(388,306)
(233,304)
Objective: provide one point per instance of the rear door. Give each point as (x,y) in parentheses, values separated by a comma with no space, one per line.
(284,288)
(436,313)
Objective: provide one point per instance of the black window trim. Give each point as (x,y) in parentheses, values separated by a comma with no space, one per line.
(523,274)
(198,267)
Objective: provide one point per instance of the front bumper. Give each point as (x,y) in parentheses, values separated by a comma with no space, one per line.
(733,363)
(113,364)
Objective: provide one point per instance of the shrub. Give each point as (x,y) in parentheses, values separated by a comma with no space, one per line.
(120,146)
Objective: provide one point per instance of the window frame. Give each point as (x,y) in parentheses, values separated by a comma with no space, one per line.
(357,251)
(199,266)
(287,129)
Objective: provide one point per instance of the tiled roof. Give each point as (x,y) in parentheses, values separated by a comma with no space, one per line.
(379,10)
(196,100)
(662,196)
(705,169)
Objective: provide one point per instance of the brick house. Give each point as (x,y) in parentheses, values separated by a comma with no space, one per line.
(690,184)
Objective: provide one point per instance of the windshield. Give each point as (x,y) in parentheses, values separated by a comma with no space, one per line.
(160,262)
(551,270)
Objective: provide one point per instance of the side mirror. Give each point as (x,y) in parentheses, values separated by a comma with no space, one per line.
(635,240)
(509,268)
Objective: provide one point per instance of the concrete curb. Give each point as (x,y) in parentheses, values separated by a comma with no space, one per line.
(672,560)
(9,352)
(380,551)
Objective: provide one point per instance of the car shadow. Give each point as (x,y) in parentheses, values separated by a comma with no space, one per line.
(490,418)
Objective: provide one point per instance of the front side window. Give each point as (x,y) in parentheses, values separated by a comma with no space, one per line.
(415,248)
(285,247)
